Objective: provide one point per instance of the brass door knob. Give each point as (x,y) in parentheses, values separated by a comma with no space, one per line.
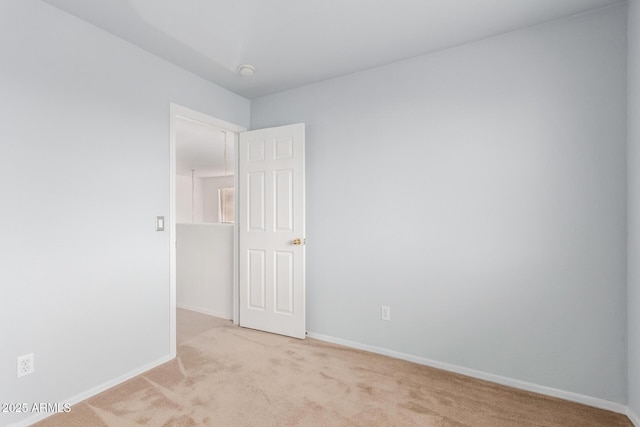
(297,242)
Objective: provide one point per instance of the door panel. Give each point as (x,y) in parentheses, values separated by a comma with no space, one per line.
(271,218)
(256,280)
(255,207)
(284,282)
(284,201)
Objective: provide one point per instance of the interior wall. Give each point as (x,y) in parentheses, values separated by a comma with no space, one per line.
(189,210)
(480,192)
(85,276)
(634,207)
(211,201)
(205,202)
(204,268)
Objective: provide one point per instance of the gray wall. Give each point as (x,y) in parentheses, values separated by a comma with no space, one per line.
(84,170)
(204,268)
(634,206)
(210,188)
(480,193)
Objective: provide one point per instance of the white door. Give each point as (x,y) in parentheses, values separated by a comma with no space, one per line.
(272,230)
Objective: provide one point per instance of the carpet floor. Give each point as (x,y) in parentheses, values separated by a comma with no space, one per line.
(229,376)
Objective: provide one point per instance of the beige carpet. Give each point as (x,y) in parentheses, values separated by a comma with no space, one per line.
(229,376)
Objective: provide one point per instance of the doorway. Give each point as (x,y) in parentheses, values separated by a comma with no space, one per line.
(200,197)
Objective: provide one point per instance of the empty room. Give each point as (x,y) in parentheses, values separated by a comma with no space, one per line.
(244,212)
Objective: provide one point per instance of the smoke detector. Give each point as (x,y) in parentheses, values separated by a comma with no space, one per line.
(246,70)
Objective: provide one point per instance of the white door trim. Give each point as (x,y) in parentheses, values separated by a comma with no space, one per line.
(179,111)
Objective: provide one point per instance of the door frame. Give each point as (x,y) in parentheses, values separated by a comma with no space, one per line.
(178,111)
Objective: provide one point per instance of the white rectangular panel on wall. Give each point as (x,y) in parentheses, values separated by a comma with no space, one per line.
(272,230)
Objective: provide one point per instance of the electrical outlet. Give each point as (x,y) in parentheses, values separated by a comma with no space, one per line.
(385,312)
(25,365)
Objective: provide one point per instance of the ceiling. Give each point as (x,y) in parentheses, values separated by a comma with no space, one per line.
(201,147)
(292,43)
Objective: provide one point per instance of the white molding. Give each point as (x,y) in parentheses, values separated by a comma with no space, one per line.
(204,311)
(633,417)
(94,391)
(509,382)
(174,110)
(196,116)
(236,234)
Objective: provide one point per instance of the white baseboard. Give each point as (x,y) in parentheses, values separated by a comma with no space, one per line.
(94,391)
(633,417)
(522,385)
(204,311)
